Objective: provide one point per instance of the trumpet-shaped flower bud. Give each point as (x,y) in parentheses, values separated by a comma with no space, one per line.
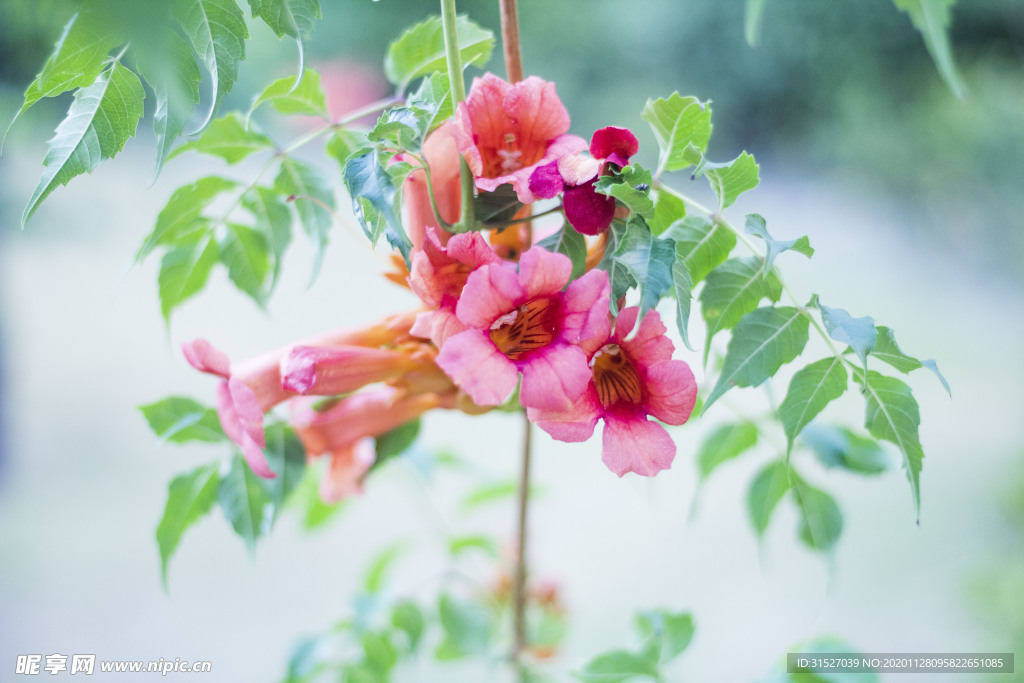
(442,157)
(631,379)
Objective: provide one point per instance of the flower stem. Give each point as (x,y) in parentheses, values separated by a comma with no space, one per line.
(519,582)
(458,90)
(510,40)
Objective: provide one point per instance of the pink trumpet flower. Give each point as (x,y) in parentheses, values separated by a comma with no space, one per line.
(343,431)
(524,322)
(505,131)
(631,379)
(253,387)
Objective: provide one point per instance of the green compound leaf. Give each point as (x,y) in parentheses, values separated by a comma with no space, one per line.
(420,50)
(407,617)
(245,502)
(762,342)
(810,390)
(181,218)
(368,181)
(932,18)
(402,127)
(288,96)
(179,419)
(287,458)
(183,272)
(273,219)
(618,273)
(569,242)
(701,244)
(467,629)
(682,286)
(887,350)
(668,209)
(648,260)
(616,666)
(667,633)
(892,415)
(99,122)
(190,496)
(857,333)
(725,443)
(821,521)
(170,70)
(840,447)
(381,653)
(217,31)
(732,290)
(755,225)
(229,138)
(678,123)
(767,489)
(632,187)
(245,252)
(433,96)
(295,18)
(313,200)
(345,143)
(731,180)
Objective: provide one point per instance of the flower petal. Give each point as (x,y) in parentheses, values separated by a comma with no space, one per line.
(534,105)
(239,406)
(585,310)
(442,155)
(649,343)
(553,377)
(203,356)
(671,391)
(588,211)
(491,291)
(348,466)
(328,371)
(546,181)
(632,443)
(437,325)
(572,425)
(543,273)
(615,144)
(475,365)
(577,170)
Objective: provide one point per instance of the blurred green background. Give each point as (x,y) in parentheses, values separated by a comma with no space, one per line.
(913,198)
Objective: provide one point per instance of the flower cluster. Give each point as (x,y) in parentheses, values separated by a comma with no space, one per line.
(497,313)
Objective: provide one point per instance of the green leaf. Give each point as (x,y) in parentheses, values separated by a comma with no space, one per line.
(181,218)
(295,18)
(183,272)
(287,96)
(403,127)
(315,512)
(420,50)
(762,342)
(245,253)
(821,521)
(407,617)
(668,633)
(858,333)
(343,143)
(287,458)
(632,187)
(668,209)
(434,95)
(767,489)
(366,179)
(245,502)
(228,138)
(189,497)
(839,447)
(618,274)
(887,350)
(700,244)
(179,419)
(724,443)
(497,207)
(489,494)
(375,577)
(99,122)
(810,390)
(569,242)
(467,628)
(648,260)
(392,444)
(752,22)
(678,122)
(932,18)
(170,70)
(755,225)
(217,31)
(77,59)
(892,415)
(381,653)
(732,290)
(731,180)
(274,220)
(312,198)
(616,666)
(457,546)
(682,286)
